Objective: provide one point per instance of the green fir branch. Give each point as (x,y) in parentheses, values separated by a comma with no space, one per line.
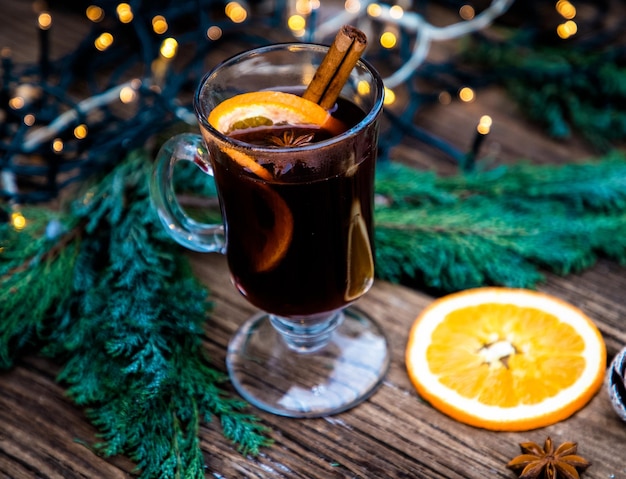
(503,226)
(118,305)
(567,90)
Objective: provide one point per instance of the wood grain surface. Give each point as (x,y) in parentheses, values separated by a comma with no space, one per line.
(394,434)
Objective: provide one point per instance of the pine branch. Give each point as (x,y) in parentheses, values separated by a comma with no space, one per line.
(127,324)
(568,90)
(503,226)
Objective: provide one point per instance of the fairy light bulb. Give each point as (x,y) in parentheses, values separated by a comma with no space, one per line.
(80,132)
(296,23)
(467,12)
(466,94)
(352,6)
(57,145)
(18,220)
(159,24)
(388,40)
(124,13)
(169,47)
(236,12)
(396,12)
(484,125)
(567,29)
(566,9)
(44,20)
(94,13)
(214,33)
(374,10)
(104,41)
(128,94)
(390,96)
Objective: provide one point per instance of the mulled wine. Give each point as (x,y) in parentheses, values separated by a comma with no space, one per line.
(299,244)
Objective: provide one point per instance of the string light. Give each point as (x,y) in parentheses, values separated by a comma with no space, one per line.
(396,12)
(566,9)
(352,6)
(484,125)
(466,94)
(390,96)
(236,12)
(57,145)
(124,13)
(374,10)
(159,24)
(80,132)
(94,13)
(388,40)
(169,47)
(296,23)
(44,20)
(467,12)
(567,29)
(18,221)
(214,33)
(104,41)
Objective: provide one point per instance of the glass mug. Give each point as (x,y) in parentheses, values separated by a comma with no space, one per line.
(297,235)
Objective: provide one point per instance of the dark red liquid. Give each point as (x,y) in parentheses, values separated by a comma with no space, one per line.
(301,244)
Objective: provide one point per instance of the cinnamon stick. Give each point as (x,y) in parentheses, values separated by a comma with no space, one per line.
(334,71)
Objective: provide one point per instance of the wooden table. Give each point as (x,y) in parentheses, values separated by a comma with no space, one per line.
(392,435)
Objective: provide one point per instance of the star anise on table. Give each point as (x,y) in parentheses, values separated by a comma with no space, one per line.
(545,462)
(289,138)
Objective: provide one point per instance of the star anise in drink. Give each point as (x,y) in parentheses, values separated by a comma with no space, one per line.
(545,462)
(289,138)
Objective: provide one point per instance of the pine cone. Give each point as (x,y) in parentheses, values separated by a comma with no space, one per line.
(616,383)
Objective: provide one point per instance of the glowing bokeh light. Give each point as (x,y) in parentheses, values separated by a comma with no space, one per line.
(374,10)
(80,132)
(445,98)
(44,20)
(18,221)
(127,94)
(466,94)
(390,96)
(159,24)
(396,12)
(352,6)
(104,41)
(363,87)
(484,124)
(236,12)
(566,9)
(94,13)
(567,29)
(296,22)
(57,145)
(214,33)
(388,40)
(169,47)
(467,12)
(124,12)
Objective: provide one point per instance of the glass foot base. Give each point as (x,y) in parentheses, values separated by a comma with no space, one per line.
(278,379)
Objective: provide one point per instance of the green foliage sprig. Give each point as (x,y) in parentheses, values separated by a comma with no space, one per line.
(102,289)
(567,90)
(504,226)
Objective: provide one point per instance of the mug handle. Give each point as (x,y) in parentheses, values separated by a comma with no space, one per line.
(197,236)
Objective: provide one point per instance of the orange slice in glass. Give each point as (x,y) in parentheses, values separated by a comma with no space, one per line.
(261,108)
(505,359)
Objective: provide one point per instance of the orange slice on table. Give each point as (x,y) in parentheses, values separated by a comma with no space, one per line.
(505,359)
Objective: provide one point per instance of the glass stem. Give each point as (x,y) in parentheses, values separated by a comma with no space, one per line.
(309,334)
